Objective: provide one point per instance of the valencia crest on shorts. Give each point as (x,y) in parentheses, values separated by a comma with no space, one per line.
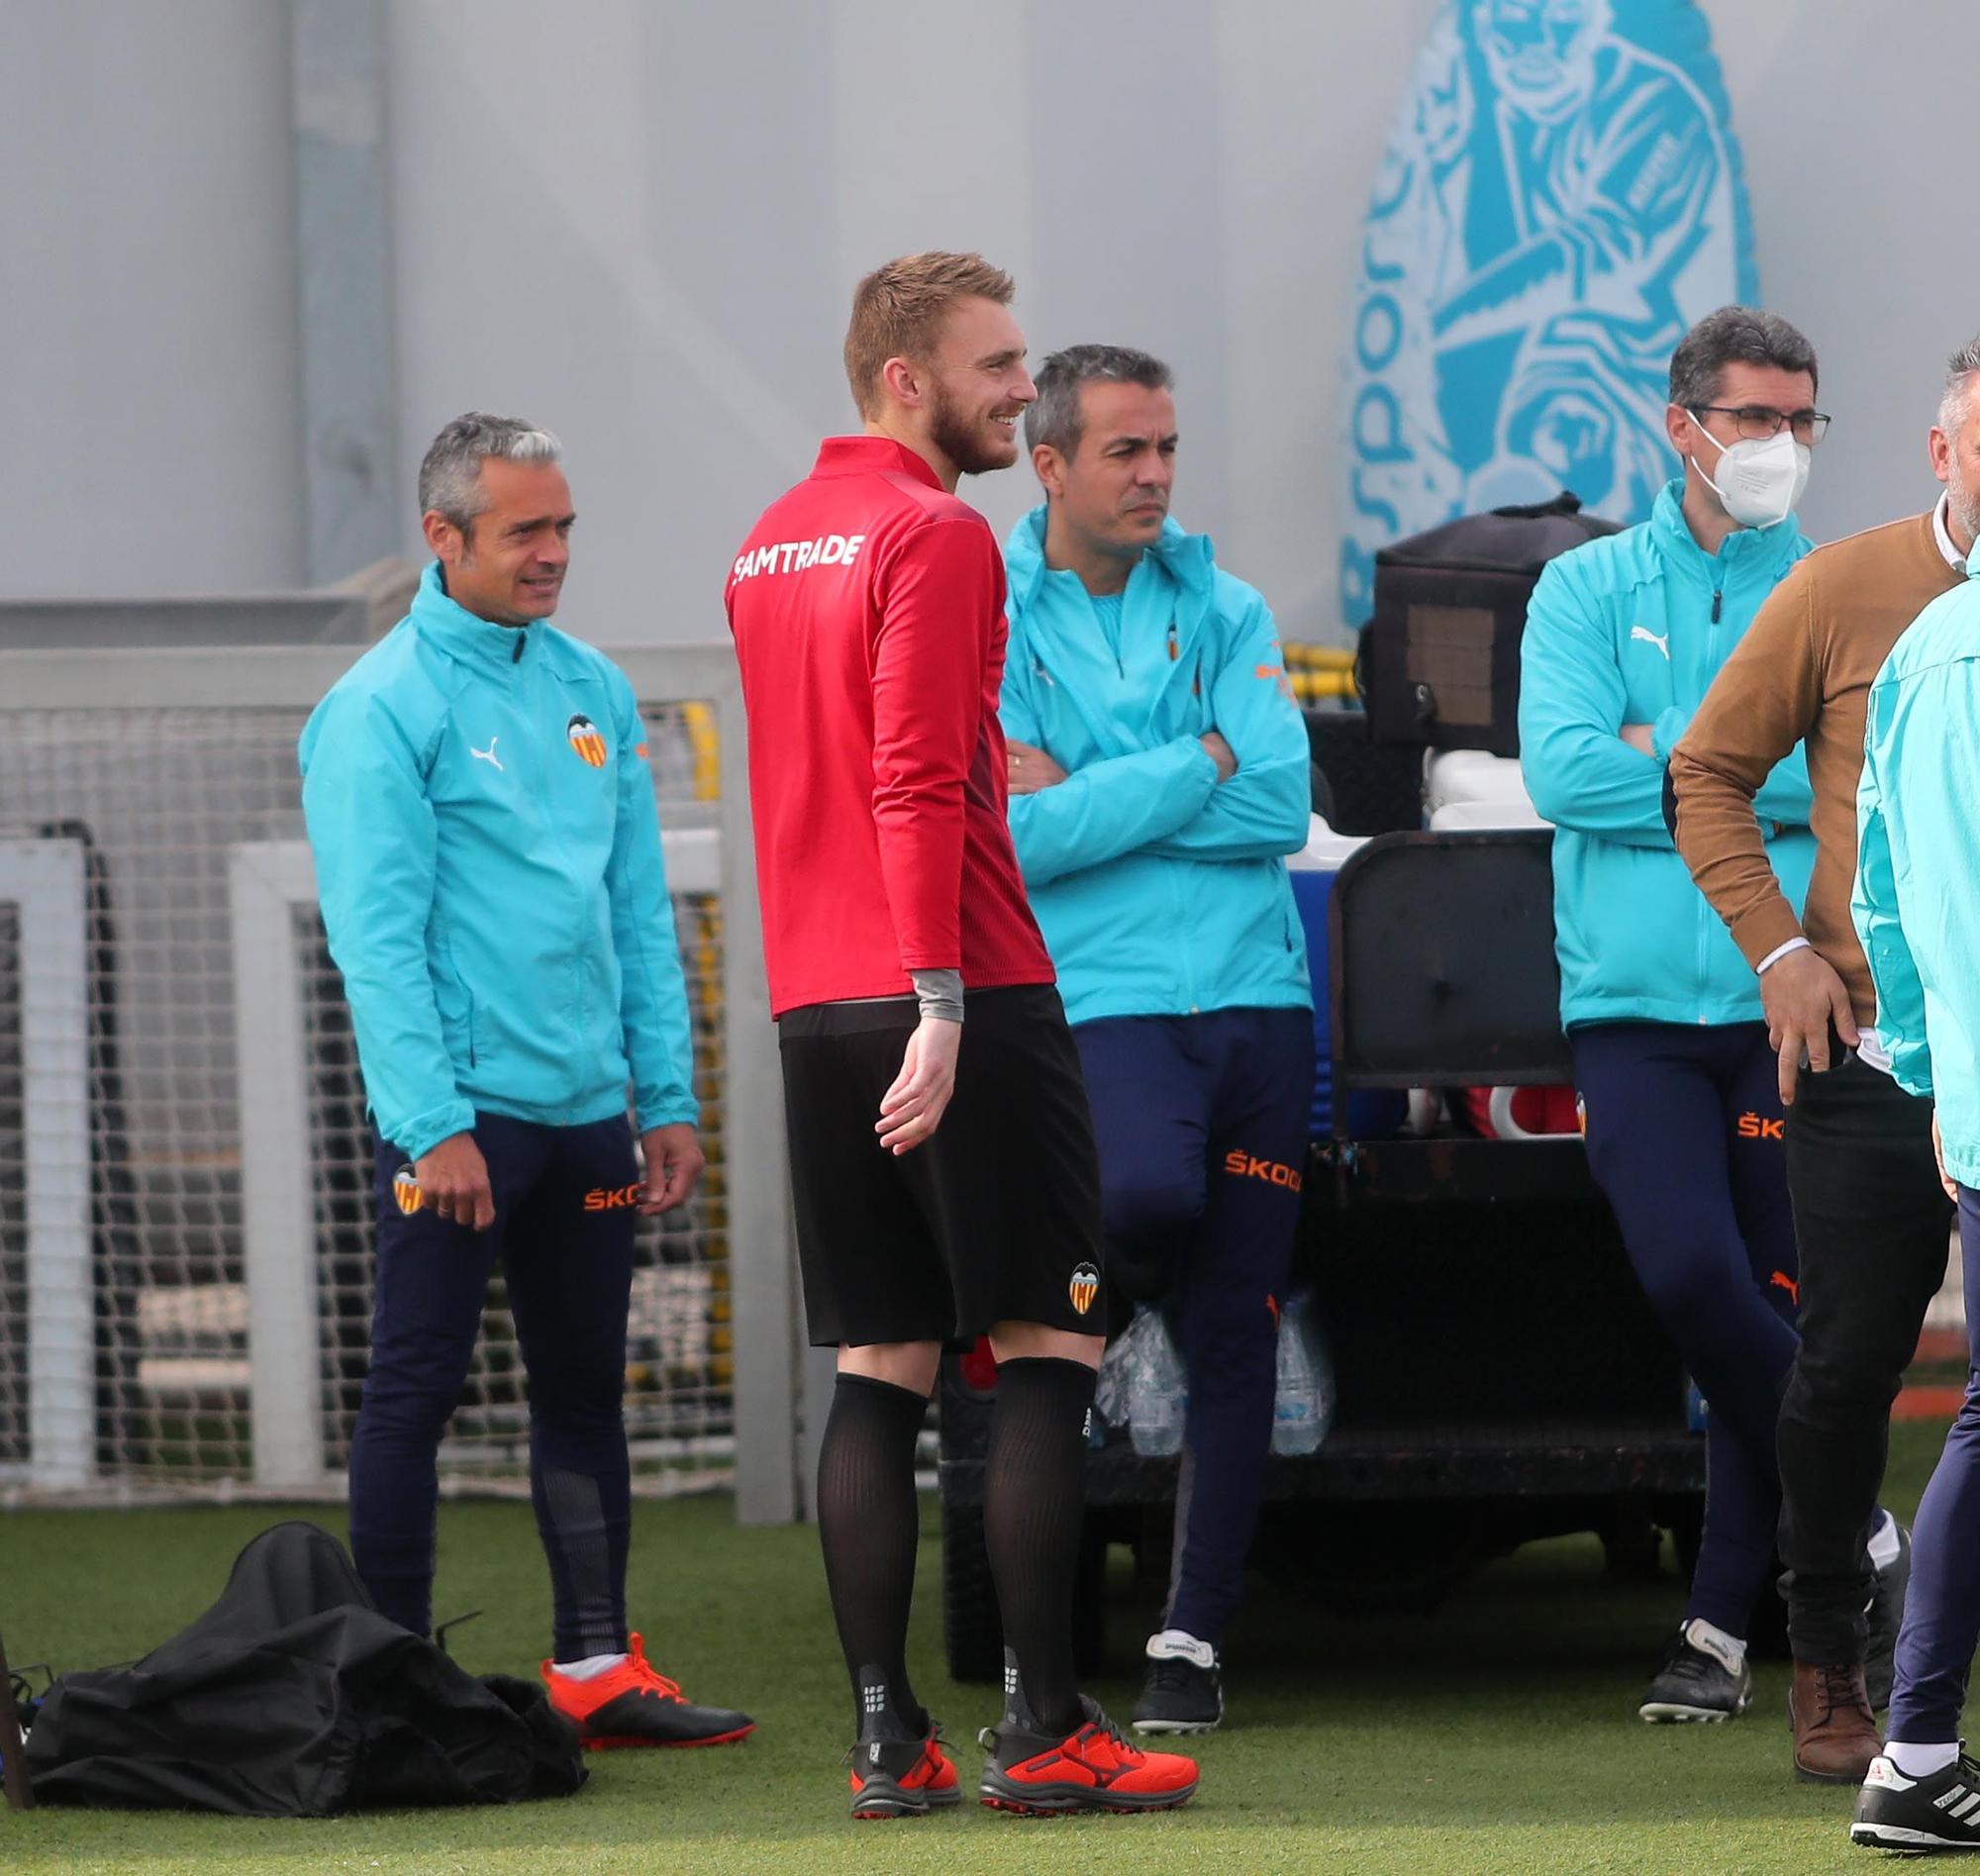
(586,740)
(1084,1287)
(406,1190)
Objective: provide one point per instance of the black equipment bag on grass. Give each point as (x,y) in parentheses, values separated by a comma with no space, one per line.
(1441,658)
(291,1697)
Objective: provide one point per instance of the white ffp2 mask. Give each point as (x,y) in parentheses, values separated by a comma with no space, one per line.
(1758,481)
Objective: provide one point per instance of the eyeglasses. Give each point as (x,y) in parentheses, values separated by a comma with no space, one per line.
(1756,423)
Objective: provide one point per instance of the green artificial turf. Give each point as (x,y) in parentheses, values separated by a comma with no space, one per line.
(1498,1734)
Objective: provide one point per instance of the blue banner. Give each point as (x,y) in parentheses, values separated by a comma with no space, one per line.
(1561,199)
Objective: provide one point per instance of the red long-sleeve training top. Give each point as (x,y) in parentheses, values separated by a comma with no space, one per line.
(868,606)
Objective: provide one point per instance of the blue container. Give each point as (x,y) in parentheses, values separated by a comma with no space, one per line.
(1371,1112)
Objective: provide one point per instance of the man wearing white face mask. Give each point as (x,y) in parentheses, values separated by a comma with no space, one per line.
(1623,637)
(1870,1219)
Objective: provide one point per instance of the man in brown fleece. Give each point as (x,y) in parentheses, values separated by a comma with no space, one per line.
(1870,1215)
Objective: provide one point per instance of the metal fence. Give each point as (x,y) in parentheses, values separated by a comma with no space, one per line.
(185,1161)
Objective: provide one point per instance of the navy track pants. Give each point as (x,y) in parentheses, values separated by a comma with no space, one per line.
(1942,1625)
(1685,1137)
(564,1230)
(1201,1123)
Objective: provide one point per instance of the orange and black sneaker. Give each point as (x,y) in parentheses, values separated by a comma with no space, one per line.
(903,1778)
(632,1705)
(1091,1768)
(899,1767)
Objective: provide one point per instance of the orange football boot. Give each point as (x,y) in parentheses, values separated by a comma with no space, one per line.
(633,1705)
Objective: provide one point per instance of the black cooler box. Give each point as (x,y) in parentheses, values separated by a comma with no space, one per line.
(1441,658)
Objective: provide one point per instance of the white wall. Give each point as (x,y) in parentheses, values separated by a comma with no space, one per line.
(1861,154)
(656,256)
(641,226)
(638,223)
(147,307)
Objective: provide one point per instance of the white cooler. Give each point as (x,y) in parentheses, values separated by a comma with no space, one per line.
(1468,789)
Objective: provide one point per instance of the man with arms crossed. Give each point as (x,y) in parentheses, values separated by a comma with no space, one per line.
(1158,773)
(941,1157)
(488,861)
(1870,1217)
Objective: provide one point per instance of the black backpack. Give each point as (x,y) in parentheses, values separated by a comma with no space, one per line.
(1439,661)
(292,1697)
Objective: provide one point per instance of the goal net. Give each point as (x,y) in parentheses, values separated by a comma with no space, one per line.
(185,1163)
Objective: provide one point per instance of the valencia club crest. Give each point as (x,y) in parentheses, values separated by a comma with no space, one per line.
(406,1190)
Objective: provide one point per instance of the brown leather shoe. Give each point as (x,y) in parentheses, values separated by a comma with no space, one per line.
(1834,1731)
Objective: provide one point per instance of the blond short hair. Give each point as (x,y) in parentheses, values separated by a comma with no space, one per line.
(899,308)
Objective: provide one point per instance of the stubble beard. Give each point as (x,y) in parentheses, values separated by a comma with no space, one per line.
(963,442)
(1965,504)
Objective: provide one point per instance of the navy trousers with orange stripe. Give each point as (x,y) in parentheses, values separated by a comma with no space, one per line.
(1201,1121)
(1685,1138)
(563,1236)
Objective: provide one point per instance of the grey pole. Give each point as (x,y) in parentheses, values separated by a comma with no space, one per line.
(760,1252)
(344,271)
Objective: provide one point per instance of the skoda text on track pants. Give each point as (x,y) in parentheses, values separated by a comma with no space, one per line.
(566,1202)
(1201,1121)
(1685,1138)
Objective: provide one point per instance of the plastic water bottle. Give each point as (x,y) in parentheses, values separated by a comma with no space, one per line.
(1303,1409)
(1321,1352)
(1157,1388)
(1109,1392)
(1697,1415)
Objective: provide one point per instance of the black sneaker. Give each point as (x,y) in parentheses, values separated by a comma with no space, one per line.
(1937,1813)
(1885,1615)
(1696,1685)
(1183,1691)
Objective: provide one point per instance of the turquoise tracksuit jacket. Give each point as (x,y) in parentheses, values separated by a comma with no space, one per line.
(1160,891)
(1917,903)
(488,863)
(1633,627)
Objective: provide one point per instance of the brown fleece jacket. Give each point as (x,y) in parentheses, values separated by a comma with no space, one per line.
(1801,675)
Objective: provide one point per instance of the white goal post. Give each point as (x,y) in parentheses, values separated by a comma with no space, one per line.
(268,881)
(44,879)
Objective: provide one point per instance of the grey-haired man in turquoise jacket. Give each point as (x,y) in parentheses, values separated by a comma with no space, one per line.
(488,862)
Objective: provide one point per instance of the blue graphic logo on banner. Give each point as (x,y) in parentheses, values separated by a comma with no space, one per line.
(1559,199)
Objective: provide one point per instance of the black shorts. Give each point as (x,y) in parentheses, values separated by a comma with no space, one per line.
(994,1218)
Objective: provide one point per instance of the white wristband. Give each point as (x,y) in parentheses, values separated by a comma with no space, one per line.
(1773,957)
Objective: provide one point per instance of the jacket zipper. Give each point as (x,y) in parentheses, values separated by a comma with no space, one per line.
(1702,910)
(1183,925)
(545,796)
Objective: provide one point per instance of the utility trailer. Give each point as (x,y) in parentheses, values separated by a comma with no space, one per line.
(1500,1376)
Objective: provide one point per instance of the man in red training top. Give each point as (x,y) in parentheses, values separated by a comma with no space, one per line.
(941,1157)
